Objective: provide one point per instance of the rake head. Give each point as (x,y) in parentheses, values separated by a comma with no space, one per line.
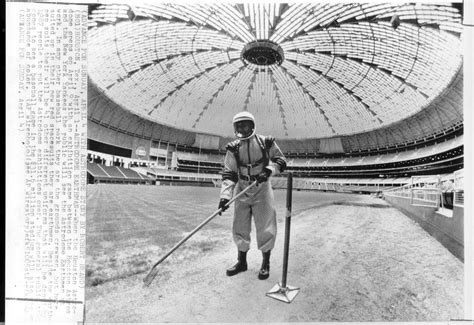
(150,276)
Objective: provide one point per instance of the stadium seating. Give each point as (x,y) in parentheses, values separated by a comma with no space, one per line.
(201,163)
(98,173)
(176,177)
(96,170)
(203,157)
(364,173)
(113,172)
(379,159)
(439,158)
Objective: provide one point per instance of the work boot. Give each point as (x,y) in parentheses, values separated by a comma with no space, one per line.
(265,269)
(240,266)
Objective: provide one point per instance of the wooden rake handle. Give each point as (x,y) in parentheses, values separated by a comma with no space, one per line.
(151,275)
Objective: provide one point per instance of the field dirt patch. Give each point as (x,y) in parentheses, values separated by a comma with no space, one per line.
(354,262)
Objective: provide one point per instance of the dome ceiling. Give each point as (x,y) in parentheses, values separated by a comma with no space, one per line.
(304,70)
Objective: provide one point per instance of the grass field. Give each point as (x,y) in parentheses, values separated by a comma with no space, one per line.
(355,257)
(130,227)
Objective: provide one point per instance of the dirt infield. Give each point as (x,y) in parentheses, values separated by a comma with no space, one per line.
(354,257)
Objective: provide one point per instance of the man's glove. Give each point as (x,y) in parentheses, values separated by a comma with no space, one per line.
(263,176)
(222,205)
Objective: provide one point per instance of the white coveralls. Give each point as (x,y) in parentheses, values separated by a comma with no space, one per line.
(259,200)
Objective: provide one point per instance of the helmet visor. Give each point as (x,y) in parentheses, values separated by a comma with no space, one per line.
(244,129)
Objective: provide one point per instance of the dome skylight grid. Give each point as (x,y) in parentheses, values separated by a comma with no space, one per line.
(351,12)
(348,73)
(375,100)
(427,14)
(231,83)
(317,62)
(335,76)
(289,23)
(127,52)
(230,11)
(156,12)
(182,71)
(106,75)
(309,18)
(190,12)
(373,10)
(189,39)
(218,76)
(397,105)
(238,88)
(331,14)
(326,92)
(176,71)
(262,97)
(259,16)
(221,102)
(169,10)
(297,108)
(109,12)
(291,12)
(338,63)
(129,88)
(226,21)
(313,115)
(227,74)
(291,94)
(148,94)
(196,95)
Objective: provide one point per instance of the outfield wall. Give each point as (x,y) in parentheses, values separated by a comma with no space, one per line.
(200,183)
(448,230)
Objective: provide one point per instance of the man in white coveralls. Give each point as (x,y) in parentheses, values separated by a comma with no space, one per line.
(252,157)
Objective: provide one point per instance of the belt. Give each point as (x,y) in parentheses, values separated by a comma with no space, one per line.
(248,178)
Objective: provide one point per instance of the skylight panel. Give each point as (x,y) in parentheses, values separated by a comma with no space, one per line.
(286,27)
(231,24)
(451,27)
(292,10)
(379,9)
(215,22)
(269,19)
(160,11)
(230,11)
(273,11)
(297,103)
(252,16)
(235,90)
(196,16)
(177,12)
(349,13)
(261,21)
(313,17)
(332,14)
(309,24)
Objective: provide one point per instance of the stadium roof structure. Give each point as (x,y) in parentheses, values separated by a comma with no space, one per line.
(383,72)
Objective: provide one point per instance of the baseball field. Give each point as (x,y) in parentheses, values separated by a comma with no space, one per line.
(130,226)
(355,258)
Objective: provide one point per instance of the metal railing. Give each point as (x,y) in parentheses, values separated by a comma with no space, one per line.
(429,191)
(459,188)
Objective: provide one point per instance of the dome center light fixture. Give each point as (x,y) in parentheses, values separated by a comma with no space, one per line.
(262,52)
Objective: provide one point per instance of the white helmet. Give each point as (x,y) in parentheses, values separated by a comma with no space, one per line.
(241,117)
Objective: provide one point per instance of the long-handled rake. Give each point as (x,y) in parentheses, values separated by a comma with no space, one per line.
(154,270)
